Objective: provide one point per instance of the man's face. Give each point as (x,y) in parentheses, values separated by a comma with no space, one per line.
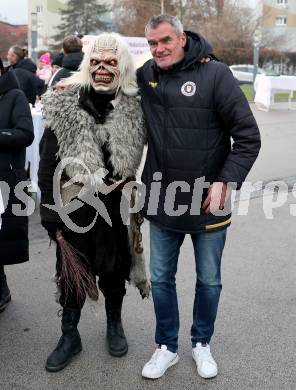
(12,57)
(165,45)
(104,70)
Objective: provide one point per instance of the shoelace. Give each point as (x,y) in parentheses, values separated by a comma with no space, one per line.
(155,357)
(205,354)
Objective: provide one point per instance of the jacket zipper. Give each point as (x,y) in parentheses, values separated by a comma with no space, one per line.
(163,86)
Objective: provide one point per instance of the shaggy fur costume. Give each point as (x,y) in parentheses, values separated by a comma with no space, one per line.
(79,136)
(124,130)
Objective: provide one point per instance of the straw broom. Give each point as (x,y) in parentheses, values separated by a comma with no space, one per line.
(75,275)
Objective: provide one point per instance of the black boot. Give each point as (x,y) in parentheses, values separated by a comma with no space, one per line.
(69,343)
(5,296)
(117,344)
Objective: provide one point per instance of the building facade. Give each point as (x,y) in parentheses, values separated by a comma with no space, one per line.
(279,20)
(11,35)
(43,17)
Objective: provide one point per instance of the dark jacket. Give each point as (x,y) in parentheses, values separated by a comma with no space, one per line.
(25,71)
(190,127)
(70,64)
(16,132)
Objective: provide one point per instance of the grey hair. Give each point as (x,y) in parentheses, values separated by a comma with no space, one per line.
(174,21)
(127,74)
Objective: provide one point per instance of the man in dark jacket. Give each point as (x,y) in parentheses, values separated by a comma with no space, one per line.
(73,55)
(16,132)
(193,109)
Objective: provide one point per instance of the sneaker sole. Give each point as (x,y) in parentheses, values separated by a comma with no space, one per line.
(173,362)
(202,375)
(5,303)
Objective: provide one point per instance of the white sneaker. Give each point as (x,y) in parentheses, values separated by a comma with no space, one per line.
(205,363)
(160,361)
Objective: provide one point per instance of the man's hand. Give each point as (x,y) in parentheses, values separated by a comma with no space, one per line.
(52,228)
(121,183)
(204,60)
(218,194)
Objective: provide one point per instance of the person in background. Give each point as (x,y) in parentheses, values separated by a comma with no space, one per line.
(44,71)
(25,71)
(16,133)
(73,55)
(56,66)
(57,62)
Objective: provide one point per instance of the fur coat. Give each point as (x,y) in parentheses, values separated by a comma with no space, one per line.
(124,131)
(78,135)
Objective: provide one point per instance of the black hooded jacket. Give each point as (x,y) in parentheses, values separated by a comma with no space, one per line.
(193,110)
(25,71)
(70,64)
(16,132)
(26,64)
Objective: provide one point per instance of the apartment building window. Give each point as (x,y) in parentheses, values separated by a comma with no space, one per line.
(39,8)
(281,20)
(281,2)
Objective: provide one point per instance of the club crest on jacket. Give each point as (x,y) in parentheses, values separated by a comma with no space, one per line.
(189,88)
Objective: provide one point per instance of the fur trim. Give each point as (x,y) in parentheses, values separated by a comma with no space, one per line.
(79,136)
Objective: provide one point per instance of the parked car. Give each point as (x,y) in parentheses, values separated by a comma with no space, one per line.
(244,73)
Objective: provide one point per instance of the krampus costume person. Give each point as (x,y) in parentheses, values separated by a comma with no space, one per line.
(98,121)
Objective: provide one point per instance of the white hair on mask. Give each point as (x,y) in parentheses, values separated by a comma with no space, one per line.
(127,76)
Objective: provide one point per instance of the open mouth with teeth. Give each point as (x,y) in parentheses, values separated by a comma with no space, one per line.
(103,78)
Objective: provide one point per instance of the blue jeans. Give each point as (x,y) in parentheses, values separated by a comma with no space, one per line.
(164,252)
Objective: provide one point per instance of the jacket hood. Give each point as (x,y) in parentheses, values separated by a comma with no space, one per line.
(72,61)
(196,47)
(8,81)
(26,64)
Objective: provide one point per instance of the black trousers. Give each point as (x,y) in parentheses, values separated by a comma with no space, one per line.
(112,285)
(105,252)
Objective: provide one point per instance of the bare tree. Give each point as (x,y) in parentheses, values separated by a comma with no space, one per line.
(131,16)
(225,23)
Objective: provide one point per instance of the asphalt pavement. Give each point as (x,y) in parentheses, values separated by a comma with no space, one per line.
(254,341)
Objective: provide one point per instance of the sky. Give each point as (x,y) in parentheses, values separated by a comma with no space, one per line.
(14,10)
